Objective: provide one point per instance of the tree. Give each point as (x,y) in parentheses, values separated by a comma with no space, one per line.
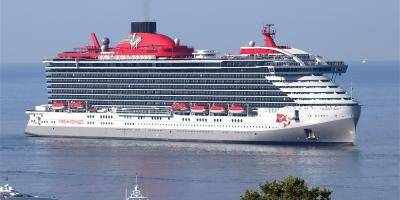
(292,188)
(251,195)
(325,194)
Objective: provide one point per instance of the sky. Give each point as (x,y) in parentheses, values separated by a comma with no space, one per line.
(335,29)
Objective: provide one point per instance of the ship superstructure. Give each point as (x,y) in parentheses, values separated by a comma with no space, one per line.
(150,86)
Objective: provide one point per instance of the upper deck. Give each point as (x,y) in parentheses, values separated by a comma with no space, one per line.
(274,64)
(144,48)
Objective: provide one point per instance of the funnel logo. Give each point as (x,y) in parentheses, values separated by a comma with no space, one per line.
(134,41)
(284,119)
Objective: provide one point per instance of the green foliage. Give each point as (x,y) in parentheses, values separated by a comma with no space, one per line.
(292,188)
(251,195)
(273,190)
(325,194)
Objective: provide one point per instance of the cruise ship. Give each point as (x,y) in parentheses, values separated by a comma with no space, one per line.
(152,87)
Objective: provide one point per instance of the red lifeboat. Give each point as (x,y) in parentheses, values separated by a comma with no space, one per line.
(58,105)
(236,109)
(199,109)
(76,105)
(177,106)
(217,109)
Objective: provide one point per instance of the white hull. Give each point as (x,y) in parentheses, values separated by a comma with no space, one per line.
(330,124)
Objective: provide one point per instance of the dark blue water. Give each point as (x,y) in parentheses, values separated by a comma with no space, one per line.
(101,169)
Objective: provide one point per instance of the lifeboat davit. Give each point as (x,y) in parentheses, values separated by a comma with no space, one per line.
(198,109)
(58,105)
(179,106)
(76,105)
(217,109)
(235,109)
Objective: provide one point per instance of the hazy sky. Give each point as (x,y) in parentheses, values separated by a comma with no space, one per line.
(335,29)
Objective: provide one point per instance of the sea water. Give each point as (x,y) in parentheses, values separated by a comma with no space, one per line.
(102,169)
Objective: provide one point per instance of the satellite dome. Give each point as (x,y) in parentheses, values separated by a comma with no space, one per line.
(176,41)
(252,43)
(105,41)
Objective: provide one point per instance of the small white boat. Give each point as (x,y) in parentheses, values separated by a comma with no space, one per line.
(136,193)
(8,193)
(363,61)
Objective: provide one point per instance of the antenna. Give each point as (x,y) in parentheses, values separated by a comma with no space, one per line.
(146,10)
(267,30)
(269,35)
(136,178)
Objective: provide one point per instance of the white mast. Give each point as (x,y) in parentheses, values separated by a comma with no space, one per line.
(136,185)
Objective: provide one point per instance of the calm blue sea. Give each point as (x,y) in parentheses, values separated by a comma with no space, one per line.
(101,169)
